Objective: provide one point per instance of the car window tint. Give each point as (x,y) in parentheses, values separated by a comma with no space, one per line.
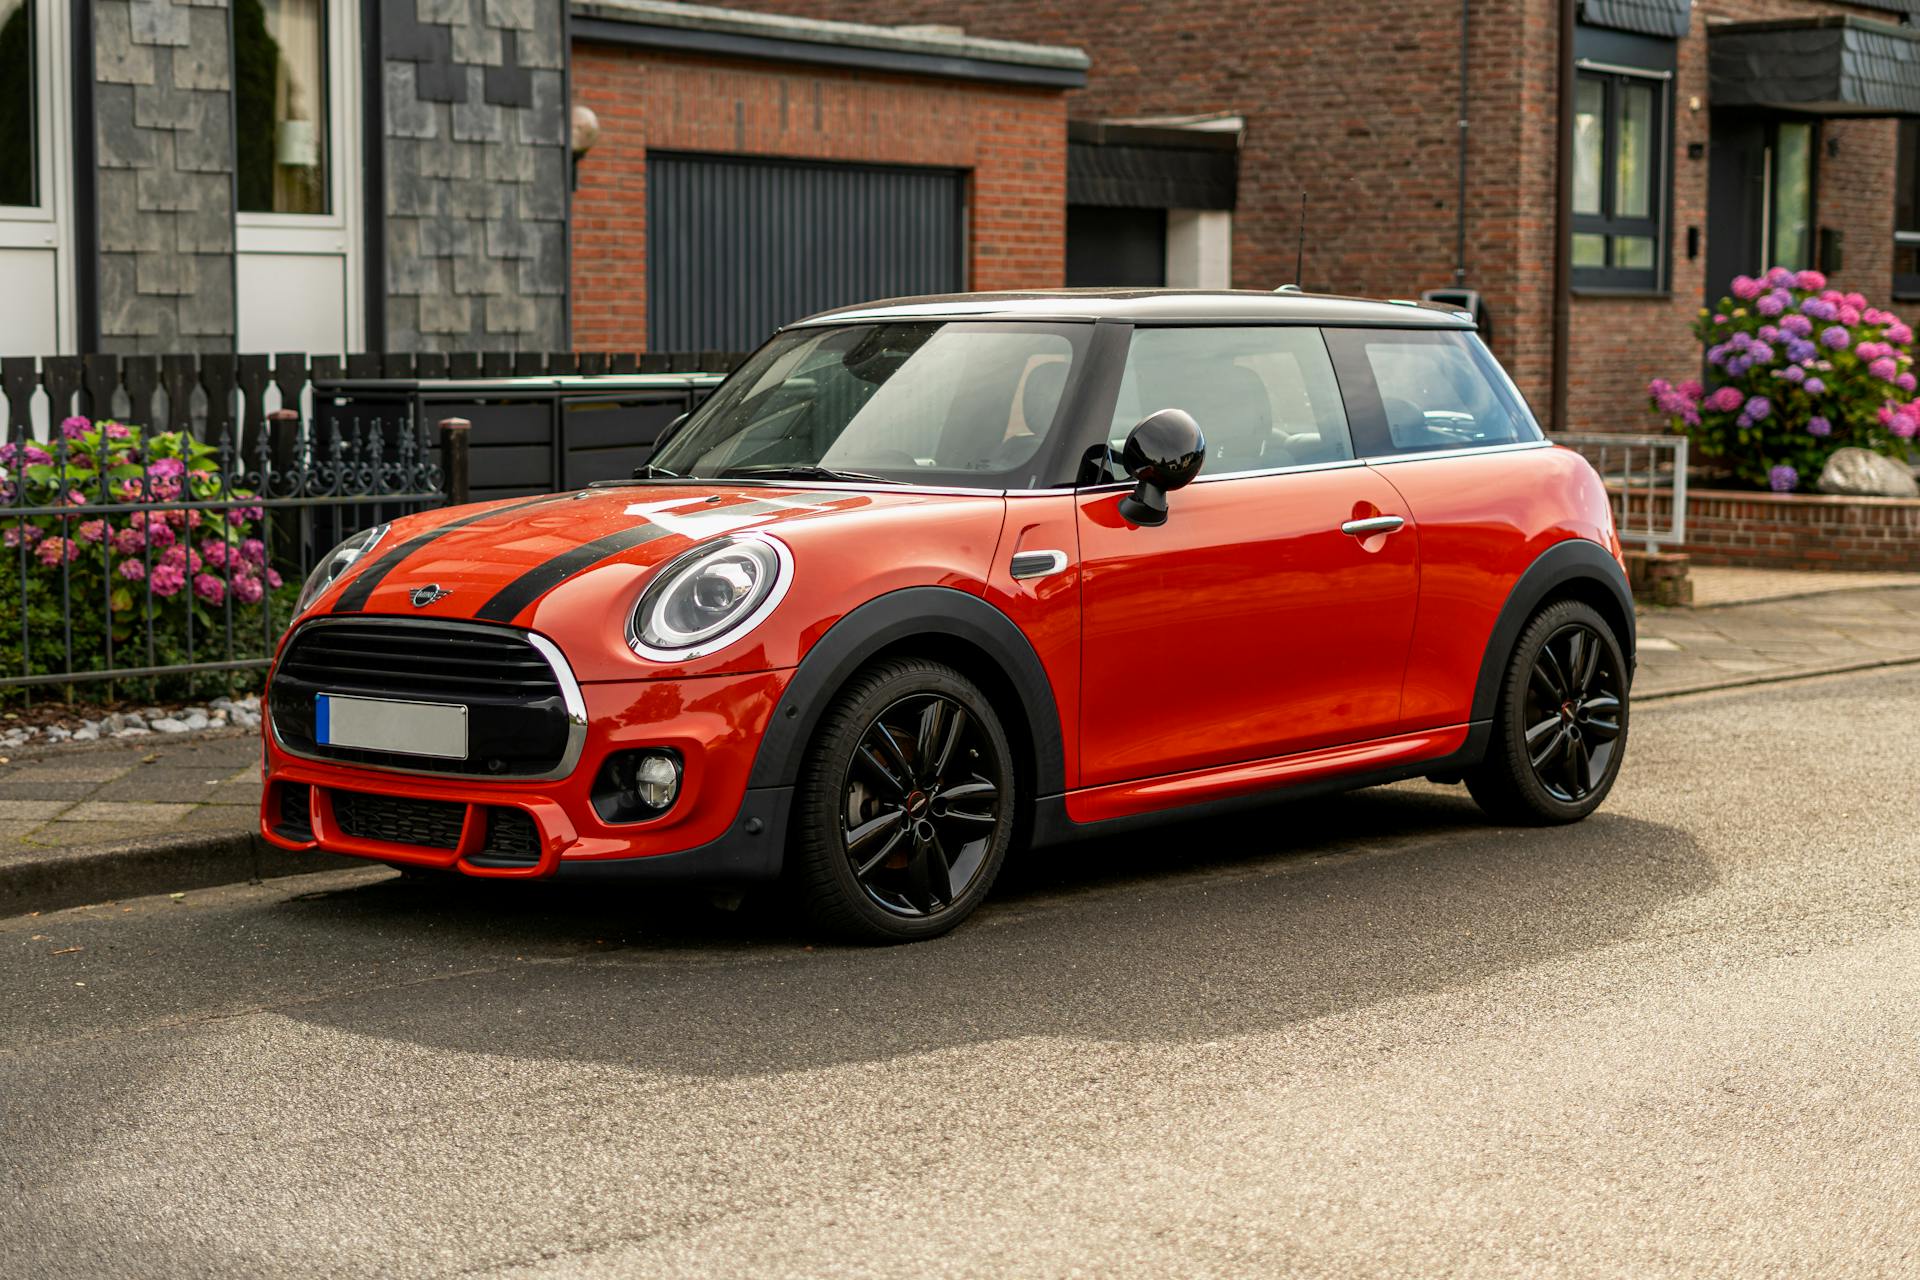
(1264,397)
(1415,391)
(939,402)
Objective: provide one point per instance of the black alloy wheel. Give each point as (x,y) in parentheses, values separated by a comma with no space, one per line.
(1572,713)
(906,805)
(1560,727)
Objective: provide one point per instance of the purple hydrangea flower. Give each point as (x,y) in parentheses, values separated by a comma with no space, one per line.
(1758,408)
(1773,303)
(1907,383)
(1836,337)
(1792,373)
(1760,353)
(1819,426)
(1816,386)
(1783,479)
(1797,325)
(1799,350)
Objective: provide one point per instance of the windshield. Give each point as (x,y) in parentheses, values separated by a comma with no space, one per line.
(927,402)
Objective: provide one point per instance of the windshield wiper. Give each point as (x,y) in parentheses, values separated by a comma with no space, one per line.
(647,471)
(803,471)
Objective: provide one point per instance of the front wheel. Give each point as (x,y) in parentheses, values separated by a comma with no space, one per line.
(906,805)
(1560,726)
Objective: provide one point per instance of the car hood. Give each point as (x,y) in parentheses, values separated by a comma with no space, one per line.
(494,563)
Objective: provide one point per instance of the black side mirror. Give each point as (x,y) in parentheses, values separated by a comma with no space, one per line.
(1163,452)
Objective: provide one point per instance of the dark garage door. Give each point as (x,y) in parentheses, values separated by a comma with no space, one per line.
(737,247)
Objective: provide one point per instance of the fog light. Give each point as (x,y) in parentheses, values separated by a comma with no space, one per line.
(636,785)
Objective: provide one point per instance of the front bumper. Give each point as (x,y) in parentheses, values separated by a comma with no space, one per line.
(717,829)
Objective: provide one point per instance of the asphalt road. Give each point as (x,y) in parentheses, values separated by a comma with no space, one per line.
(1365,1036)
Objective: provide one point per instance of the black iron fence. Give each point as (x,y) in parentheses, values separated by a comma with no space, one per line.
(158,524)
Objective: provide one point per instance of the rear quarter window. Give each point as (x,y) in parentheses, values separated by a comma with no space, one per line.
(1424,390)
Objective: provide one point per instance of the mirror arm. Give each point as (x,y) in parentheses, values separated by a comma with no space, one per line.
(1146,505)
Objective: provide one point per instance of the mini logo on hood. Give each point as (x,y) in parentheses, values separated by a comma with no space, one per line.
(424,596)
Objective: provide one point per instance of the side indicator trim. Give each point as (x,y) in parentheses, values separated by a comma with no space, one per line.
(1037,564)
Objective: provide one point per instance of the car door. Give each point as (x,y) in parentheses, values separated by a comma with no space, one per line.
(1262,618)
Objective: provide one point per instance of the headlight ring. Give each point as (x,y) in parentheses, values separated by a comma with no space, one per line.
(337,562)
(708,597)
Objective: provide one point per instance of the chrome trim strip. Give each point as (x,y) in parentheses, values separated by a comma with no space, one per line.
(1377,524)
(1039,564)
(1617,69)
(1470,451)
(570,696)
(782,581)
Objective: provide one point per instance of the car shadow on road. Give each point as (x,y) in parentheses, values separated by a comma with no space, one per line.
(1191,933)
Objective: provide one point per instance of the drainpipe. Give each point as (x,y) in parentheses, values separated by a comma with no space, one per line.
(1563,223)
(1460,203)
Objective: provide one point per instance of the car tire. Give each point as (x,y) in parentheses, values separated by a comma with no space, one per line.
(1560,723)
(906,807)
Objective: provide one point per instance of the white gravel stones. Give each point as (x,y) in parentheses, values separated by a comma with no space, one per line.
(217,714)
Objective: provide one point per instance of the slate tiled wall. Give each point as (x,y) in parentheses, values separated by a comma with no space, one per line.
(163,118)
(476,174)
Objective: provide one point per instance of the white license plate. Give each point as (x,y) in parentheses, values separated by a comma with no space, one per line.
(381,724)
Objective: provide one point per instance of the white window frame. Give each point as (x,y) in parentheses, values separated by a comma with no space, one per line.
(47,225)
(335,234)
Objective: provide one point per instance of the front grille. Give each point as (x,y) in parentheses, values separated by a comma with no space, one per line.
(430,824)
(517,723)
(512,840)
(296,818)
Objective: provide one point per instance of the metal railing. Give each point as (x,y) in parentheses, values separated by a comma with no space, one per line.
(160,558)
(1646,476)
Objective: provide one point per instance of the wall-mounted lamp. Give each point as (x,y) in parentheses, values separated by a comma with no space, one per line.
(583,132)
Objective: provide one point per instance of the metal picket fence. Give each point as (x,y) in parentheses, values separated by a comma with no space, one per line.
(165,554)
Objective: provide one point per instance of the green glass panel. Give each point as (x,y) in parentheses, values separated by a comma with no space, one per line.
(1589,142)
(1589,250)
(1633,252)
(1633,156)
(1793,197)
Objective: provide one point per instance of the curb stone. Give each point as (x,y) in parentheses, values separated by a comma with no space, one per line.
(133,869)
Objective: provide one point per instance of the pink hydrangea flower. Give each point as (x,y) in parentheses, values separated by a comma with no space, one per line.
(129,541)
(1779,277)
(1725,400)
(167,580)
(118,431)
(214,552)
(166,468)
(273,579)
(161,534)
(209,588)
(94,531)
(31,533)
(132,570)
(1899,332)
(1884,369)
(247,590)
(75,427)
(1810,280)
(1907,383)
(1746,288)
(253,551)
(56,550)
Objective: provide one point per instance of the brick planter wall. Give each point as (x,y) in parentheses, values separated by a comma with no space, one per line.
(1800,531)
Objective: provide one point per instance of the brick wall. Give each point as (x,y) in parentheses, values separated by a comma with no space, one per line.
(1355,105)
(1801,531)
(1012,140)
(476,175)
(1620,343)
(163,126)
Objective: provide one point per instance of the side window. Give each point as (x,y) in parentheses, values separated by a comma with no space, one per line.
(1264,397)
(1420,390)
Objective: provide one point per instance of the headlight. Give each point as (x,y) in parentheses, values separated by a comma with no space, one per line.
(337,562)
(710,597)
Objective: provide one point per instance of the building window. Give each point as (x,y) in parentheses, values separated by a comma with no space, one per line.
(280,92)
(1906,214)
(1619,181)
(19,161)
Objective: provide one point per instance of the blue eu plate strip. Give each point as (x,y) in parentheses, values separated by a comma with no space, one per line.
(321,718)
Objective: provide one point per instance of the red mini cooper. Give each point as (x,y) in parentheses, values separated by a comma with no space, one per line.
(900,597)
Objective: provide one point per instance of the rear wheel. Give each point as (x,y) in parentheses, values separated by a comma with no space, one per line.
(906,805)
(1560,726)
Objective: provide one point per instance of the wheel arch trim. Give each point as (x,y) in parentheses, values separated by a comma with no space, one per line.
(885,622)
(1571,561)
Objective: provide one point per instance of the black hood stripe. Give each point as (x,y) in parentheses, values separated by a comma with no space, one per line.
(354,598)
(507,603)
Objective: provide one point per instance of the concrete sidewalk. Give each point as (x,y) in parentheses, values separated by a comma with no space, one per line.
(84,822)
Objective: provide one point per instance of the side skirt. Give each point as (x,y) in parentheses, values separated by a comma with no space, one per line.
(1298,778)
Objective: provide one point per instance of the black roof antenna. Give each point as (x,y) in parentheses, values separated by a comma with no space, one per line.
(1300,251)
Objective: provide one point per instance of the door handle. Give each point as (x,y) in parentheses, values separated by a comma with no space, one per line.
(1377,524)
